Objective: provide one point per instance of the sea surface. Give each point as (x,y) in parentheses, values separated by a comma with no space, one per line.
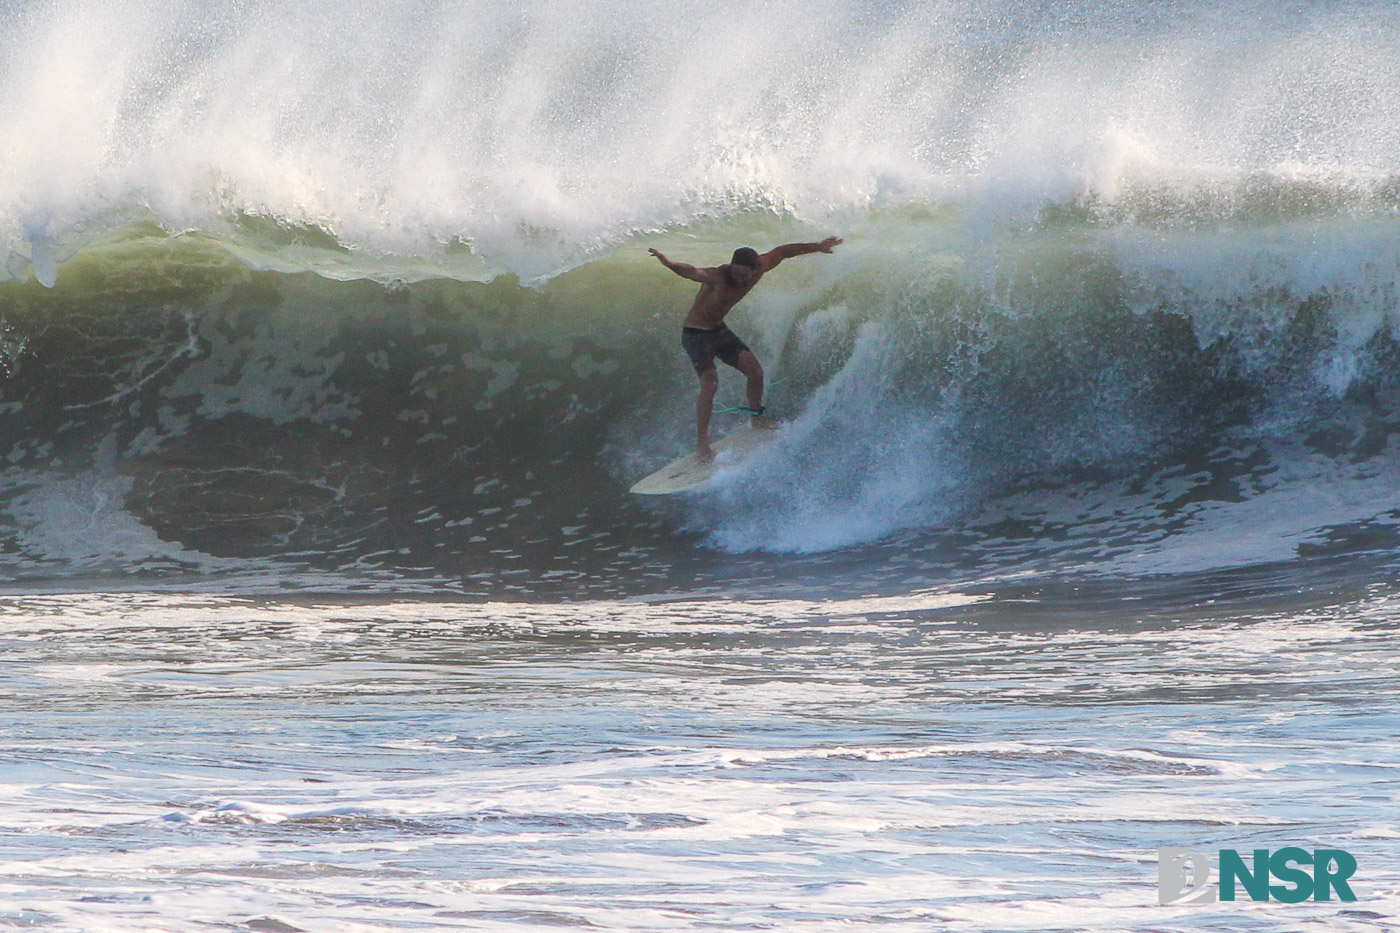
(330,345)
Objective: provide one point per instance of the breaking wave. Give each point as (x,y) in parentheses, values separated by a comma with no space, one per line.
(369,292)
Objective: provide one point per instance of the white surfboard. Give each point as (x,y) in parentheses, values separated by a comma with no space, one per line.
(688,472)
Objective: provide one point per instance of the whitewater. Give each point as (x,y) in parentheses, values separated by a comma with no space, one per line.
(330,345)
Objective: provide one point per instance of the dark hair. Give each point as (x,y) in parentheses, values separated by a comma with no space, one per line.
(745,256)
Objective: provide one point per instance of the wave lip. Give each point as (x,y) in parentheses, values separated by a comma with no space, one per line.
(540,141)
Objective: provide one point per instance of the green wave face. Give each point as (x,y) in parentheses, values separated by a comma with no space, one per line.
(928,370)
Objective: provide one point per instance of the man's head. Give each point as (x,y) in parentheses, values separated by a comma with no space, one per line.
(743,265)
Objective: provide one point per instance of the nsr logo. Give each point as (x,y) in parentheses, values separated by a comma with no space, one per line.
(1331,869)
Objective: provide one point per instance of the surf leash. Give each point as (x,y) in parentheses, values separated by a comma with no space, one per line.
(744,409)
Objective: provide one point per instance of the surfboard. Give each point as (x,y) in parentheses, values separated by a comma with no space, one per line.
(688,472)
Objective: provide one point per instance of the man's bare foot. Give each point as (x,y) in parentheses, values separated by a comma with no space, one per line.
(704,453)
(764,423)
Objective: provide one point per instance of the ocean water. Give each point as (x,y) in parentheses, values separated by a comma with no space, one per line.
(330,345)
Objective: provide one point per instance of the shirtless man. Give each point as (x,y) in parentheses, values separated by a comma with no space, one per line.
(705,335)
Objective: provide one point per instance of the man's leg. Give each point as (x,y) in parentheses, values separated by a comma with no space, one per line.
(704,405)
(749,365)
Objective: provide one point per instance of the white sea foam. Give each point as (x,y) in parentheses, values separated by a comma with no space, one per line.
(82,522)
(427,769)
(544,133)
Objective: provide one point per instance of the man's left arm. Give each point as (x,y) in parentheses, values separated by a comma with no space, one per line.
(788,250)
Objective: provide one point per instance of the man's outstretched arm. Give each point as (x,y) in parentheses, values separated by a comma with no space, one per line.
(776,255)
(684,269)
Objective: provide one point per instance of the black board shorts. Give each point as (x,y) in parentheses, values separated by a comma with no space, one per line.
(704,346)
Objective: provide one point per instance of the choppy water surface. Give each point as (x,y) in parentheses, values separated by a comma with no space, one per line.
(959,761)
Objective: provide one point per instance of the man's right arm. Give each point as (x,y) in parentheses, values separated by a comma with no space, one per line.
(684,269)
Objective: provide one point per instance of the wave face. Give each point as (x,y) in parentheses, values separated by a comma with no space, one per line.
(368,293)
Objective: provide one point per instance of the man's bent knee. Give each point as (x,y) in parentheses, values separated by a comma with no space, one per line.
(748,364)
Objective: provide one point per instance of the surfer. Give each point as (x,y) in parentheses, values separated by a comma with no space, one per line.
(706,337)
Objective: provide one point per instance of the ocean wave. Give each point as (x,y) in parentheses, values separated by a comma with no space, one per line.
(370,291)
(929,374)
